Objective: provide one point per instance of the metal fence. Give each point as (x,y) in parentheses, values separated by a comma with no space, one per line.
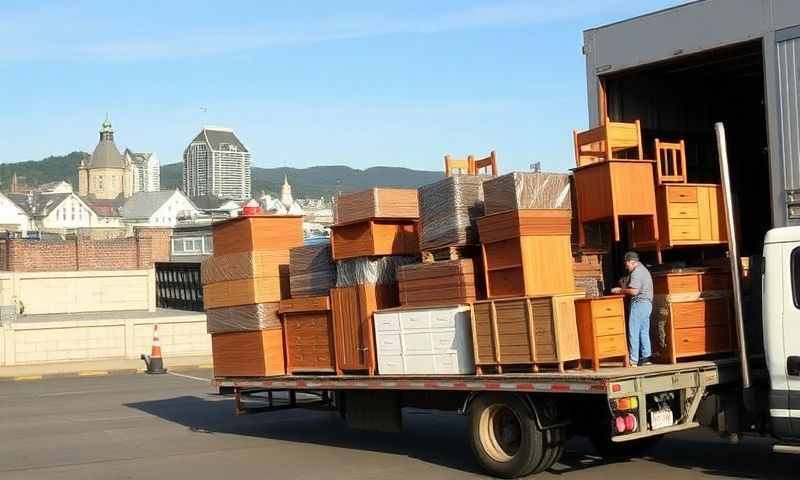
(178,286)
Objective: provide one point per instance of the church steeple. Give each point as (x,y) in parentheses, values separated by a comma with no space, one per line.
(106,132)
(286,193)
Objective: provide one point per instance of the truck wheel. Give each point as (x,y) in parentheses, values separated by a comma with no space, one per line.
(504,436)
(554,448)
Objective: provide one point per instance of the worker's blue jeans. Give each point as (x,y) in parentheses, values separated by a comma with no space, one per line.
(639,330)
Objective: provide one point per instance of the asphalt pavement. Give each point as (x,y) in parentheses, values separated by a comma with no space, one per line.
(135,426)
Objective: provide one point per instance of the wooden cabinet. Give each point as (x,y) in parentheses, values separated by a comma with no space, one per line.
(374,237)
(352,309)
(693,328)
(689,214)
(451,282)
(601,329)
(527,252)
(525,333)
(248,354)
(611,190)
(308,335)
(424,341)
(394,203)
(261,232)
(690,282)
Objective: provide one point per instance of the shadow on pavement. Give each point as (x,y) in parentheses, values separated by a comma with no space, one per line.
(441,439)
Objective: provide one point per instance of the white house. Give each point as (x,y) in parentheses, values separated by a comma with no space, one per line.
(158,209)
(55,211)
(13,218)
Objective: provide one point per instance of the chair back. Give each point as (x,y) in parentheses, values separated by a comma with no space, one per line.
(670,162)
(454,166)
(489,163)
(603,142)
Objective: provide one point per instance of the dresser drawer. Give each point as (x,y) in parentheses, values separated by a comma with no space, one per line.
(445,318)
(702,340)
(716,281)
(415,320)
(390,364)
(387,322)
(684,229)
(607,307)
(610,326)
(611,345)
(683,210)
(676,283)
(389,343)
(700,313)
(681,194)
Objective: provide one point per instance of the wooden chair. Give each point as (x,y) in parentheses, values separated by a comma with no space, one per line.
(603,142)
(489,163)
(454,166)
(670,162)
(470,166)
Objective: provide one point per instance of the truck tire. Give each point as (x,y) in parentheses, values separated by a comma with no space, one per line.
(504,436)
(554,448)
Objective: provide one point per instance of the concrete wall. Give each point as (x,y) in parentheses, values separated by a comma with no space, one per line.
(32,340)
(85,291)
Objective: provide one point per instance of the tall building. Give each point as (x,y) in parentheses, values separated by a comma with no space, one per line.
(146,170)
(217,163)
(105,174)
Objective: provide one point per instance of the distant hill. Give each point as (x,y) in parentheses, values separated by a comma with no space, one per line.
(318,181)
(306,182)
(37,172)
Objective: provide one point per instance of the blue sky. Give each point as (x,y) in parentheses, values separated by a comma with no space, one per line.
(360,83)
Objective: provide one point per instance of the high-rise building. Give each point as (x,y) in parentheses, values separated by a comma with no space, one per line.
(146,170)
(217,163)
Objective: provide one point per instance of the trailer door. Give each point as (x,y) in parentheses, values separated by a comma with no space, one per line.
(788,48)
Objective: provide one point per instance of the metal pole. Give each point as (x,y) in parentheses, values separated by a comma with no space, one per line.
(722,147)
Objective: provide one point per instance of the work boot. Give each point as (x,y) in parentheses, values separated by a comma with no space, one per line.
(646,361)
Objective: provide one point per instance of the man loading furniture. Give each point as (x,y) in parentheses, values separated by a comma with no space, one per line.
(639,287)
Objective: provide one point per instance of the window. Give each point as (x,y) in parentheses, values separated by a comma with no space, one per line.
(794,265)
(208,244)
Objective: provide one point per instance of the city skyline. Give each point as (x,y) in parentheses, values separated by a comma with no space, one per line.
(357,84)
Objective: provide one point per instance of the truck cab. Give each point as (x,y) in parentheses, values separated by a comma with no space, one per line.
(781,317)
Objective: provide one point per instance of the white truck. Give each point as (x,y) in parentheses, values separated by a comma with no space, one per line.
(679,71)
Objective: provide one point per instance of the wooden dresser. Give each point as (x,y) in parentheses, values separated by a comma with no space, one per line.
(308,335)
(692,314)
(526,333)
(601,329)
(689,214)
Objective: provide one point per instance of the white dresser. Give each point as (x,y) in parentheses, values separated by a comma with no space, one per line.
(424,340)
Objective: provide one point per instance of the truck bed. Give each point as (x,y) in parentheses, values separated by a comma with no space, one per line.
(612,381)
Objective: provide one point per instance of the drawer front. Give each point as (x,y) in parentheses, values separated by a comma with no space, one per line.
(445,318)
(683,210)
(680,229)
(444,341)
(682,283)
(390,364)
(310,360)
(387,322)
(420,364)
(389,343)
(716,281)
(415,320)
(611,345)
(701,313)
(681,194)
(702,340)
(610,326)
(608,307)
(447,363)
(417,342)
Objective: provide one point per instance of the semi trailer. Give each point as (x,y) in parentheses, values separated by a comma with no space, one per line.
(678,71)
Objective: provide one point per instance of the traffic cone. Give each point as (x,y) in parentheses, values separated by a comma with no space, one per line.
(154,362)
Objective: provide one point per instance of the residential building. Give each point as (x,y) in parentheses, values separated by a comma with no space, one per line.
(216,207)
(191,243)
(105,174)
(55,212)
(20,185)
(158,209)
(216,162)
(59,186)
(145,169)
(13,218)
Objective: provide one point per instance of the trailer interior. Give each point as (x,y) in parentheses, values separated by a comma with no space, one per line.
(682,99)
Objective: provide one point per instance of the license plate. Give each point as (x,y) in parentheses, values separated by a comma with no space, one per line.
(661,419)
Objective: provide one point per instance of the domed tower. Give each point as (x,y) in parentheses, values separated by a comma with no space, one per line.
(105,174)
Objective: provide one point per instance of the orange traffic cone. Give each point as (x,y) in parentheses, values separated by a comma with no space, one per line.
(154,362)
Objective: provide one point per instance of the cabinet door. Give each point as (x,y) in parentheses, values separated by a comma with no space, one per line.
(351,348)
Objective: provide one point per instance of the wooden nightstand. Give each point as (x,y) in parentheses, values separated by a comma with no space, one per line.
(601,329)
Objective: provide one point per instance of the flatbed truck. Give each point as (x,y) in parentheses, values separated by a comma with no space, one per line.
(679,70)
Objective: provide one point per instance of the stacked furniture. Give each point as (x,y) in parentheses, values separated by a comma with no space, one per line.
(588,272)
(312,271)
(448,212)
(243,283)
(375,233)
(424,341)
(471,166)
(601,329)
(449,282)
(692,314)
(524,334)
(609,188)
